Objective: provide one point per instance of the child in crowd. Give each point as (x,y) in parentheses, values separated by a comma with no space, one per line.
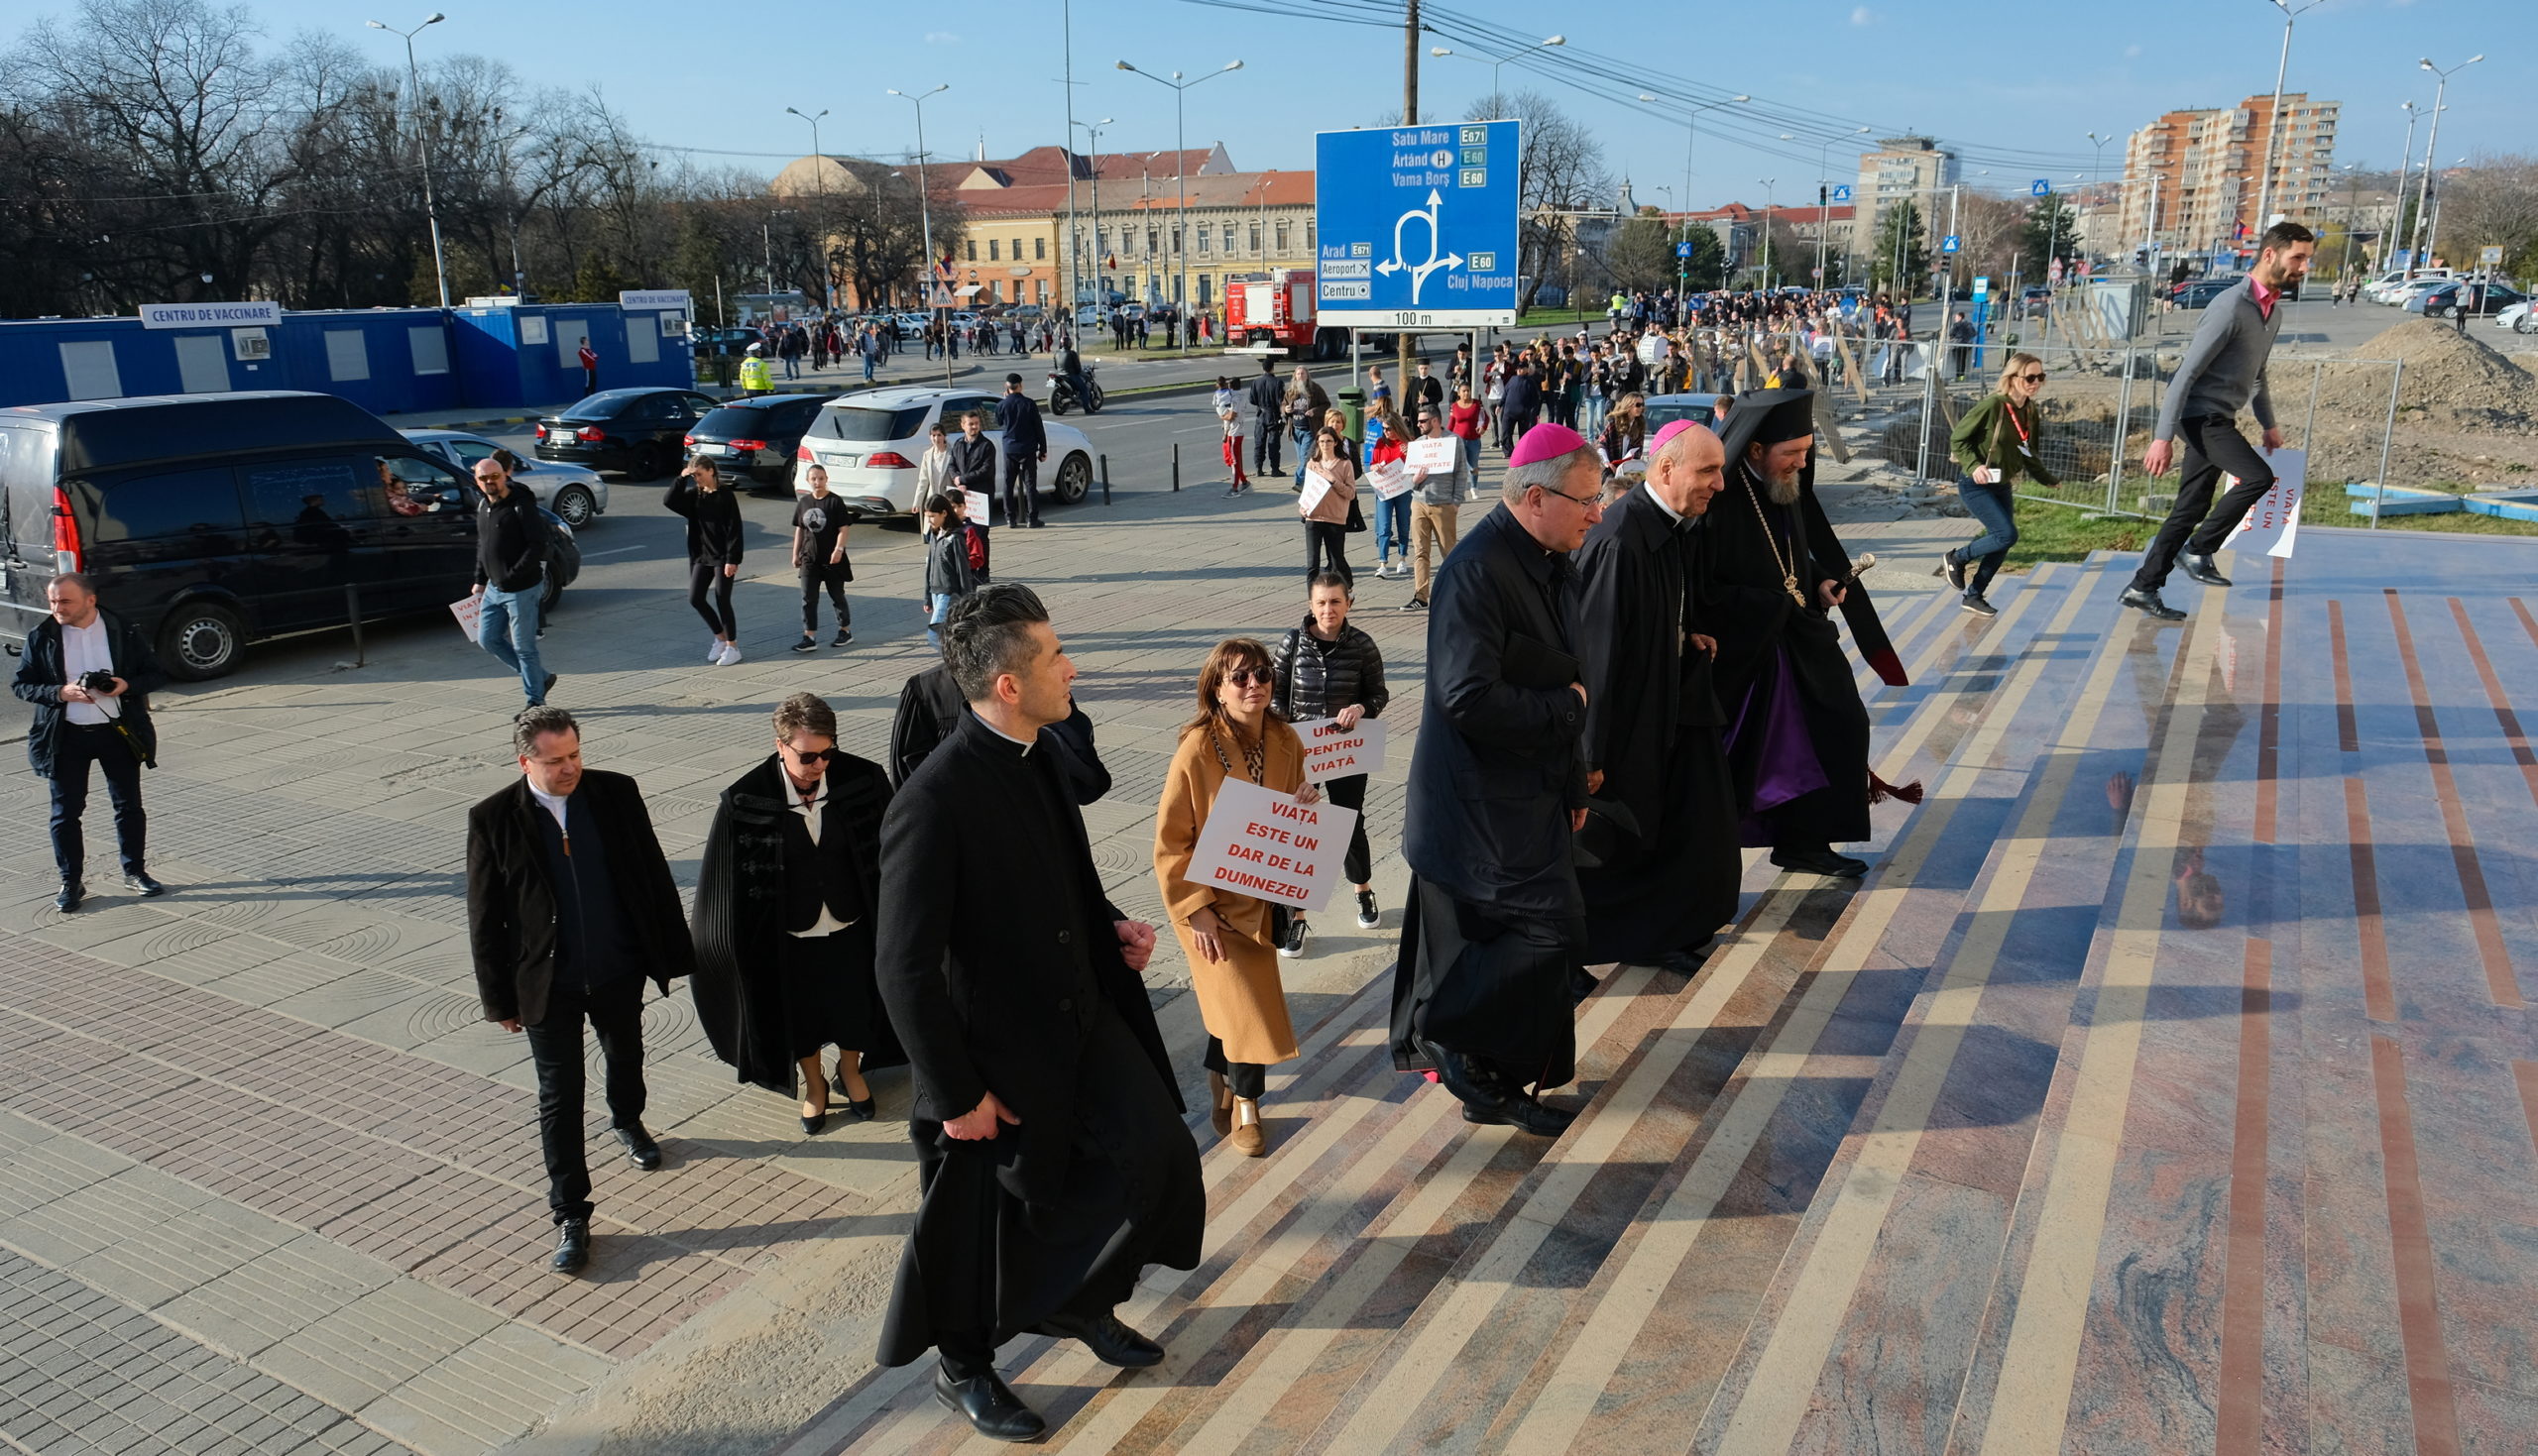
(947,564)
(1230,421)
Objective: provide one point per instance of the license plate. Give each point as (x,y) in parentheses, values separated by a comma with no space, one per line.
(713,450)
(849,462)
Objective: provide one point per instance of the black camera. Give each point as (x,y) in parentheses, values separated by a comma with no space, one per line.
(99,683)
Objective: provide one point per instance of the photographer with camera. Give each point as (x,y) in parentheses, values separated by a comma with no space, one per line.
(89,674)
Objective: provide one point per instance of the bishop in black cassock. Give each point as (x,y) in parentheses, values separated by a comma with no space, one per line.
(1662,817)
(1797,736)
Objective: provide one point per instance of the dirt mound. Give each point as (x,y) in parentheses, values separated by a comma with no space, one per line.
(2449,379)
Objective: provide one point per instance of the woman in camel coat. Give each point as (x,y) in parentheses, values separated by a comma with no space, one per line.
(1232,949)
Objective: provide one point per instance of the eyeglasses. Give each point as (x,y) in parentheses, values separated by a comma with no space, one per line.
(816,755)
(1565,495)
(1252,677)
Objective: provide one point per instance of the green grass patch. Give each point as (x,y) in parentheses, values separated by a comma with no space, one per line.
(2060,534)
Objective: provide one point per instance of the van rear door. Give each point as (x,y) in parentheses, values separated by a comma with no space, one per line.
(313,528)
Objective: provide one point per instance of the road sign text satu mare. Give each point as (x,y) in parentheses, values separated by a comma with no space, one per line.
(1415,226)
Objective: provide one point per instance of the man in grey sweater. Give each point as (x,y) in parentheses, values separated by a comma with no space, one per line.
(2223,373)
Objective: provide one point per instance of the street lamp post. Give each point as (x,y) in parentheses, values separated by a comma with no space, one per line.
(422,133)
(1181,169)
(925,210)
(2405,159)
(1684,266)
(2432,149)
(1093,130)
(820,208)
(1767,229)
(1495,61)
(2273,118)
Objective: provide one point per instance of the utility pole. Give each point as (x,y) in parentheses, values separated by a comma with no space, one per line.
(423,136)
(2397,212)
(820,205)
(925,220)
(2274,119)
(2431,150)
(1402,371)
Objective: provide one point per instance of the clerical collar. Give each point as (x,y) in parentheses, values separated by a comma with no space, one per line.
(1541,562)
(982,722)
(1671,513)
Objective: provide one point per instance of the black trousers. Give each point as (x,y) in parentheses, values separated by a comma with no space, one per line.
(832,576)
(2212,445)
(1268,435)
(615,1010)
(1350,793)
(1245,1078)
(709,590)
(1327,540)
(1021,488)
(99,743)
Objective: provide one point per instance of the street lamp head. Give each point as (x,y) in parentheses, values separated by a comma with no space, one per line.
(1441,51)
(1556,41)
(1123,65)
(1645,97)
(1740,97)
(374,25)
(435,18)
(1232,65)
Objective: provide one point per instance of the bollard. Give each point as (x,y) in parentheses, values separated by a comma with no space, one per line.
(1105,480)
(1176,465)
(352,611)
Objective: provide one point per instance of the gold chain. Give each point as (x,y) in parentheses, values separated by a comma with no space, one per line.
(1788,568)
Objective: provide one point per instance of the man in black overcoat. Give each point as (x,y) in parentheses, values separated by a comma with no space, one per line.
(570,909)
(1051,1151)
(788,897)
(1665,871)
(1495,922)
(1797,737)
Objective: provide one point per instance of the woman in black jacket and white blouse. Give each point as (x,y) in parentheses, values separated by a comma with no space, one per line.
(713,552)
(1328,669)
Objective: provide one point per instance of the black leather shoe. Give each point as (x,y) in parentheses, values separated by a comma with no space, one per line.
(641,1150)
(572,1245)
(2199,568)
(73,892)
(1820,862)
(2149,605)
(1479,1089)
(1683,963)
(989,1405)
(1538,1118)
(140,883)
(1111,1342)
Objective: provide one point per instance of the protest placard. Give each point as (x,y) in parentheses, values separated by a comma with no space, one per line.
(1263,843)
(1433,454)
(2272,524)
(469,609)
(1389,478)
(1317,485)
(1332,751)
(974,506)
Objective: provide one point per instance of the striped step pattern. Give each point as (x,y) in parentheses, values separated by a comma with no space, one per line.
(1393,1277)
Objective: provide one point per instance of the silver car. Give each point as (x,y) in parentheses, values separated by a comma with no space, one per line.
(572,492)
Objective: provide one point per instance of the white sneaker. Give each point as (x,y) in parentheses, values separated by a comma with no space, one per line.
(713,651)
(731,654)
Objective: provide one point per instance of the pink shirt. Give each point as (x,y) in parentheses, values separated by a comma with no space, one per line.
(2264,296)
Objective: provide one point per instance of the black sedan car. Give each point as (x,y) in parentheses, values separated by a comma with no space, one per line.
(758,436)
(634,433)
(2471,298)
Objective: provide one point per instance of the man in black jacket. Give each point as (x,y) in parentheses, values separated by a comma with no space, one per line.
(510,576)
(1026,444)
(570,909)
(1046,1120)
(1268,399)
(1521,404)
(974,461)
(930,709)
(1495,922)
(78,723)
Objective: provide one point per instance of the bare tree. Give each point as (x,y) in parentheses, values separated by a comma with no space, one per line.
(1559,174)
(2493,204)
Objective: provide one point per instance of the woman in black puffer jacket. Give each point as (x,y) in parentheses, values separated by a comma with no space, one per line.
(713,552)
(1328,669)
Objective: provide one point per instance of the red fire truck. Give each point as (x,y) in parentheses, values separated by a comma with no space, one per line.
(1276,312)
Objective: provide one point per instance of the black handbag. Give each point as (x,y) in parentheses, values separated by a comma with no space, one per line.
(1356,515)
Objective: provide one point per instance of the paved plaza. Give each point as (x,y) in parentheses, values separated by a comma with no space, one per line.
(2168,1085)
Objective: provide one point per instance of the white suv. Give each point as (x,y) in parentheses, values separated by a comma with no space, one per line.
(870,442)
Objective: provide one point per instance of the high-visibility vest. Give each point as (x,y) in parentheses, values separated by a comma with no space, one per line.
(754,373)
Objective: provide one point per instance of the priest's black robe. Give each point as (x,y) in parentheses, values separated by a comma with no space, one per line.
(1668,875)
(763,1009)
(1797,737)
(1013,982)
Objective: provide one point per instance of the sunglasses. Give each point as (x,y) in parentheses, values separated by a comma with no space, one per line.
(820,755)
(1252,677)
(2035,378)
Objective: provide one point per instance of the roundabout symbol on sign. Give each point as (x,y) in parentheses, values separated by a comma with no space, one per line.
(1419,270)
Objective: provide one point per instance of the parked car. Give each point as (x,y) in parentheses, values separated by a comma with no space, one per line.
(870,441)
(214,520)
(636,434)
(710,342)
(2388,288)
(758,436)
(2200,292)
(574,493)
(2520,317)
(2410,297)
(2463,296)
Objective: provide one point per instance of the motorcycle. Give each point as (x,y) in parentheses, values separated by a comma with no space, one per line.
(1061,395)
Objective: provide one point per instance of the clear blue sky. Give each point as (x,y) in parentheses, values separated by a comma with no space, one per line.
(2012,86)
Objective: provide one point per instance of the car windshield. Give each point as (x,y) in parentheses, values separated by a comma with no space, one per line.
(606,405)
(864,424)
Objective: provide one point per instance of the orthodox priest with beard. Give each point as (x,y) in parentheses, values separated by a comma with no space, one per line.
(1797,736)
(1656,860)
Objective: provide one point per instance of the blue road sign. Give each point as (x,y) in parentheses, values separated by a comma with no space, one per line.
(2041,188)
(1683,250)
(1841,195)
(1416,226)
(1949,243)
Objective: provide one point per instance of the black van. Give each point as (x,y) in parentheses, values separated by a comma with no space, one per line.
(211,520)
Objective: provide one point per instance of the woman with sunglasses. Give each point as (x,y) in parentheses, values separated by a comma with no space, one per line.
(1996,439)
(1230,938)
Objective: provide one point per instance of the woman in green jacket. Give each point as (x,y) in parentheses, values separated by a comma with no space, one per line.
(1996,439)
